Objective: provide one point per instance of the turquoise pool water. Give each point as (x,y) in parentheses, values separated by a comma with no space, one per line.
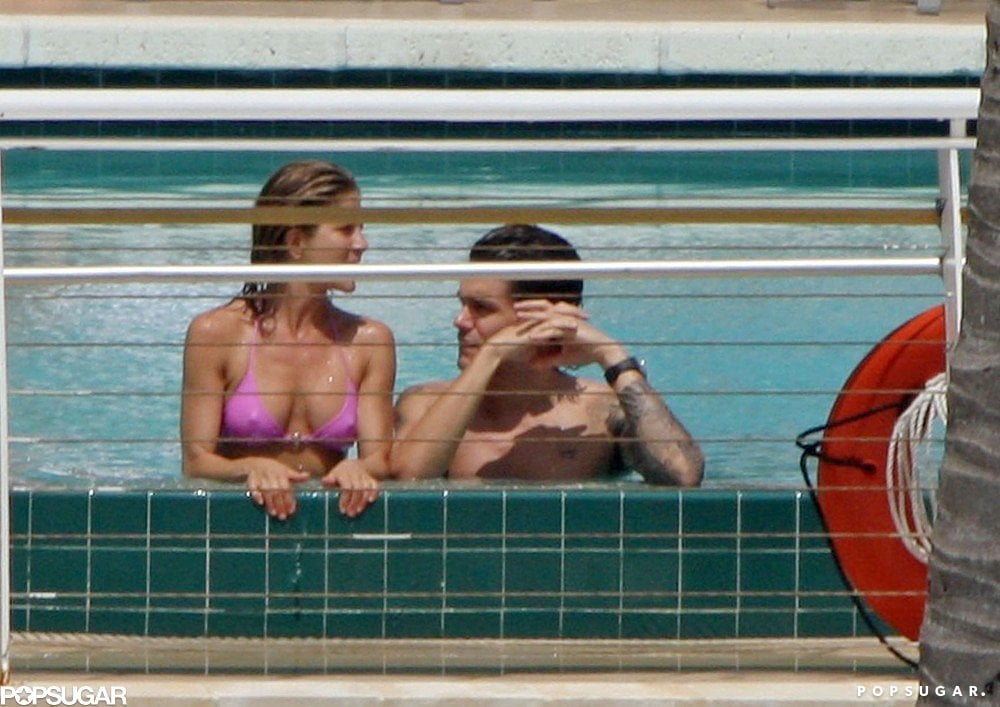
(746,363)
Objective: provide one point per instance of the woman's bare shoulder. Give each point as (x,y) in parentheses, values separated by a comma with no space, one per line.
(223,324)
(365,330)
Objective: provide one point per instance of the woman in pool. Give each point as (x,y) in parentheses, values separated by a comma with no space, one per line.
(279,383)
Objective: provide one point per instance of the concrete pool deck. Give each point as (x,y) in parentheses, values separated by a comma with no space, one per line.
(457,672)
(746,37)
(593,690)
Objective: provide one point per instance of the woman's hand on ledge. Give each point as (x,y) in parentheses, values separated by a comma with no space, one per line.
(358,488)
(270,484)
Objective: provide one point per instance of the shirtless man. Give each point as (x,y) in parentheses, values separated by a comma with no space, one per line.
(512,413)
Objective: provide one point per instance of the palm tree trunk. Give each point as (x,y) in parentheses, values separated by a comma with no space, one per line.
(960,636)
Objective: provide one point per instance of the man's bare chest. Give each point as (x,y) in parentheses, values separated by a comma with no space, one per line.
(564,444)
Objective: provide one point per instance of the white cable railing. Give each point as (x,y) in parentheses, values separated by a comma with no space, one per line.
(488,105)
(557,271)
(953,106)
(473,145)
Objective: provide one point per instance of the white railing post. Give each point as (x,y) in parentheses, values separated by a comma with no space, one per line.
(952,234)
(5,511)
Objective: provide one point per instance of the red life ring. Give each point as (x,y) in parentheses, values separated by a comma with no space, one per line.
(851,480)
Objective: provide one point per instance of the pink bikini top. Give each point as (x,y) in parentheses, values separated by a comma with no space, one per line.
(245,418)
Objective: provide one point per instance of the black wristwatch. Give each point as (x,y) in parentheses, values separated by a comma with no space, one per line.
(631,363)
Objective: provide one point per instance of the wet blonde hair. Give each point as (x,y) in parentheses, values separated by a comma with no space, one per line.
(302,183)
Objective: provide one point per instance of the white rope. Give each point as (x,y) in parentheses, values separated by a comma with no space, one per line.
(908,444)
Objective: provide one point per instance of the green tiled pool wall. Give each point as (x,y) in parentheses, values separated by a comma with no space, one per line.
(612,562)
(173,77)
(94,77)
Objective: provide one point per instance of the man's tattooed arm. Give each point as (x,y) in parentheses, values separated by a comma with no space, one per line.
(652,440)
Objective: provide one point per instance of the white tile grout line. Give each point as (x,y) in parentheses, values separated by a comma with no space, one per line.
(680,562)
(208,561)
(503,564)
(739,563)
(444,560)
(267,573)
(798,559)
(385,565)
(326,566)
(148,581)
(562,563)
(28,551)
(621,560)
(90,557)
(149,561)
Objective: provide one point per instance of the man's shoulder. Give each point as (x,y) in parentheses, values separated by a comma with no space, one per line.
(590,385)
(423,392)
(426,388)
(594,392)
(597,402)
(415,400)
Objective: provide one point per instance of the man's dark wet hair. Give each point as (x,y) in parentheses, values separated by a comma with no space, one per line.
(525,242)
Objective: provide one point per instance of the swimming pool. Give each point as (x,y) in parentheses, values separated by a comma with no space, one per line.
(743,361)
(746,363)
